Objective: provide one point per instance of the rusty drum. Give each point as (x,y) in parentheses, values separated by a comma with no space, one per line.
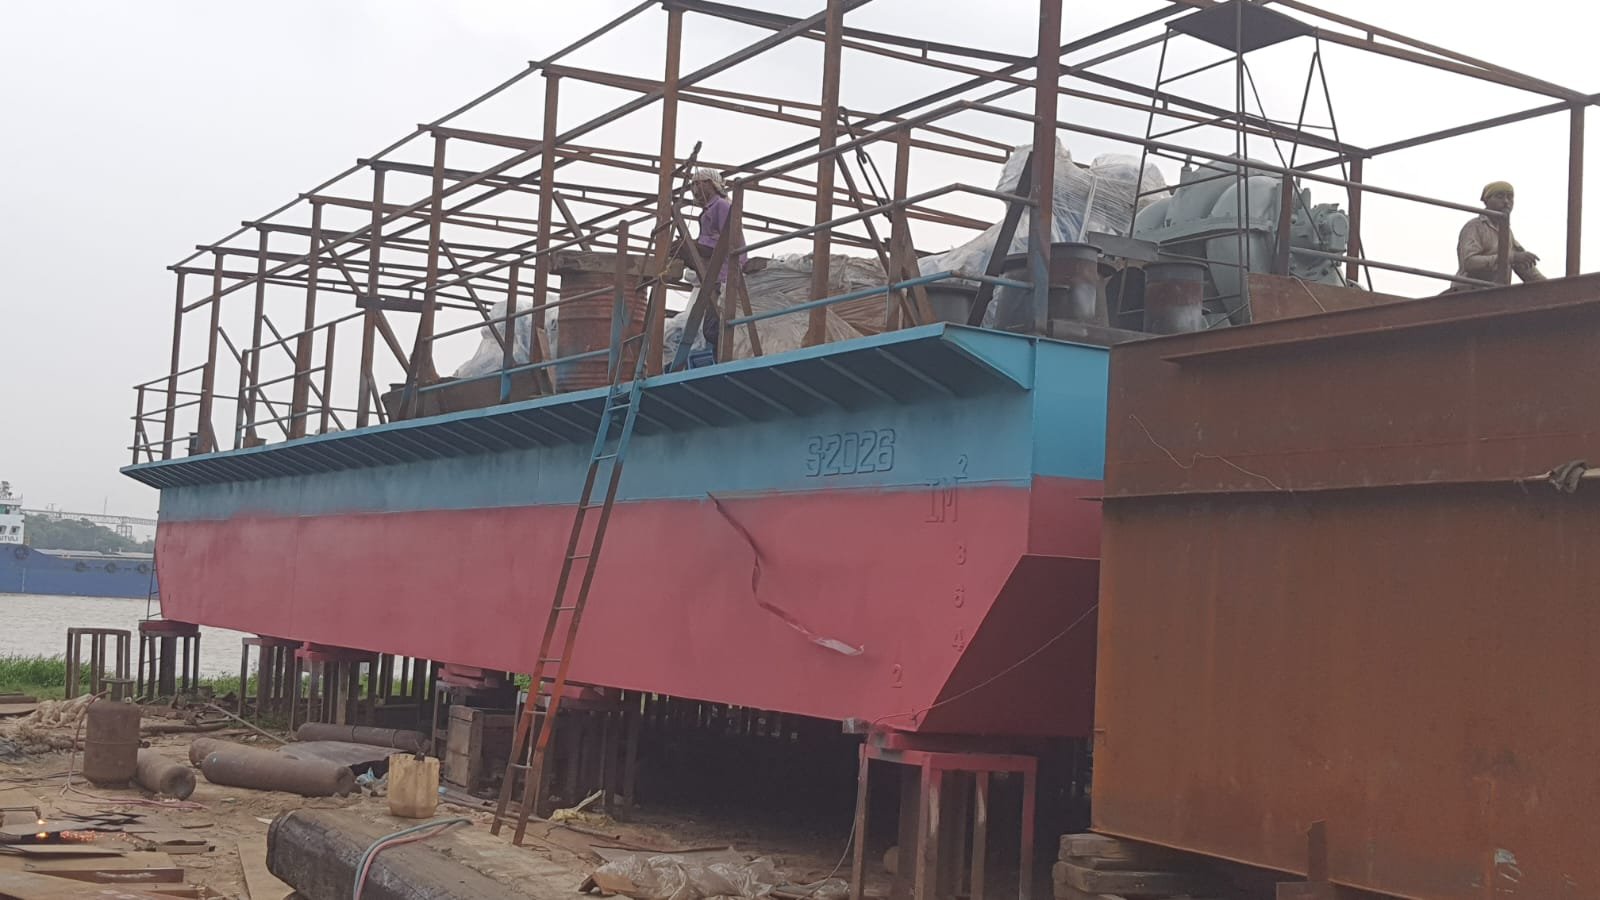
(111,742)
(1173,295)
(1074,287)
(583,320)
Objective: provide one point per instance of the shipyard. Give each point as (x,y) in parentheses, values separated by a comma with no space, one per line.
(824,451)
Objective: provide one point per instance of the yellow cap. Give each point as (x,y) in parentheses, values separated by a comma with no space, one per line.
(1497,187)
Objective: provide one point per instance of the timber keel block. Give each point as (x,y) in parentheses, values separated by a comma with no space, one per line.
(1097,867)
(317,851)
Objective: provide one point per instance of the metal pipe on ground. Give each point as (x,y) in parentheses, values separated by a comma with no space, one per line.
(239,766)
(397,738)
(199,748)
(318,851)
(159,775)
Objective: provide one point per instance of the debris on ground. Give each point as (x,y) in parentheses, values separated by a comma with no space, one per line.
(17,705)
(215,845)
(51,726)
(701,875)
(579,815)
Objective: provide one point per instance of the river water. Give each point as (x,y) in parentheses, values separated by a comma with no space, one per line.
(35,625)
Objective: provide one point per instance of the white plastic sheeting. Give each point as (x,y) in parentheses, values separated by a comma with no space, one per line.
(1097,198)
(490,353)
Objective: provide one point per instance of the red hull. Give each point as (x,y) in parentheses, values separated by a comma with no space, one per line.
(939,595)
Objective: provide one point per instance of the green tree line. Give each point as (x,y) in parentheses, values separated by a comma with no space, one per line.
(48,533)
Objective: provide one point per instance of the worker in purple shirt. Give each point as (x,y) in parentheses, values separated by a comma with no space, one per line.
(712,196)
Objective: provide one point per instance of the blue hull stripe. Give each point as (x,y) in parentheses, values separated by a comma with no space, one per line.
(939,404)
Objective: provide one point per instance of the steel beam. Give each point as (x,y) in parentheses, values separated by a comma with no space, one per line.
(1357,250)
(259,313)
(422,368)
(547,178)
(827,136)
(369,321)
(1041,217)
(299,401)
(208,375)
(170,419)
(1575,192)
(663,237)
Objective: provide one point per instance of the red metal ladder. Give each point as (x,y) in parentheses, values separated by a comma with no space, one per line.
(566,611)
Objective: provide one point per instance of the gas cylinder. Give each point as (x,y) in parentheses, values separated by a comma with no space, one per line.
(111,744)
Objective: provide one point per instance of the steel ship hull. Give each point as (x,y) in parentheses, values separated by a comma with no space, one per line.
(900,529)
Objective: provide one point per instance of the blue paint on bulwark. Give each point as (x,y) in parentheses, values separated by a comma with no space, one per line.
(899,411)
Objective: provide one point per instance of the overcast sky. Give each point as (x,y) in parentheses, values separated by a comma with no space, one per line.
(136,130)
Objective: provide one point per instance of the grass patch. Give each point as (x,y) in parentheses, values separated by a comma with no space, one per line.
(41,676)
(45,677)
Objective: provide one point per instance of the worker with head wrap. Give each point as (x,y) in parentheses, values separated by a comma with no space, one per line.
(1478,248)
(712,196)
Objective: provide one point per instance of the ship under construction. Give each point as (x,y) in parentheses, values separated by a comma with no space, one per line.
(1043,433)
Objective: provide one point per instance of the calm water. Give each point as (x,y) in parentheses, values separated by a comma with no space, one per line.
(34,625)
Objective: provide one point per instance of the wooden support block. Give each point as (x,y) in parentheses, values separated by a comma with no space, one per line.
(1098,851)
(463,747)
(1063,892)
(1128,883)
(477,743)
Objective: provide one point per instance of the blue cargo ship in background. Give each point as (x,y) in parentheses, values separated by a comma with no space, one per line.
(72,573)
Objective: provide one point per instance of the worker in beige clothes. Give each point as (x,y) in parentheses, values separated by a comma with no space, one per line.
(1478,248)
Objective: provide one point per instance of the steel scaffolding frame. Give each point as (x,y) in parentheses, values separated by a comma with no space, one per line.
(469,240)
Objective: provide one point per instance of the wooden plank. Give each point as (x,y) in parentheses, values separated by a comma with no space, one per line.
(177,890)
(136,859)
(1139,884)
(169,840)
(1062,892)
(17,709)
(120,875)
(56,850)
(1098,851)
(259,884)
(1100,845)
(31,886)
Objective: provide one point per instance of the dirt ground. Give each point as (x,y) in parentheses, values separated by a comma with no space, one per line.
(553,861)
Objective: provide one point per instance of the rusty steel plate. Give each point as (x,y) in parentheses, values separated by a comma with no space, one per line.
(1331,595)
